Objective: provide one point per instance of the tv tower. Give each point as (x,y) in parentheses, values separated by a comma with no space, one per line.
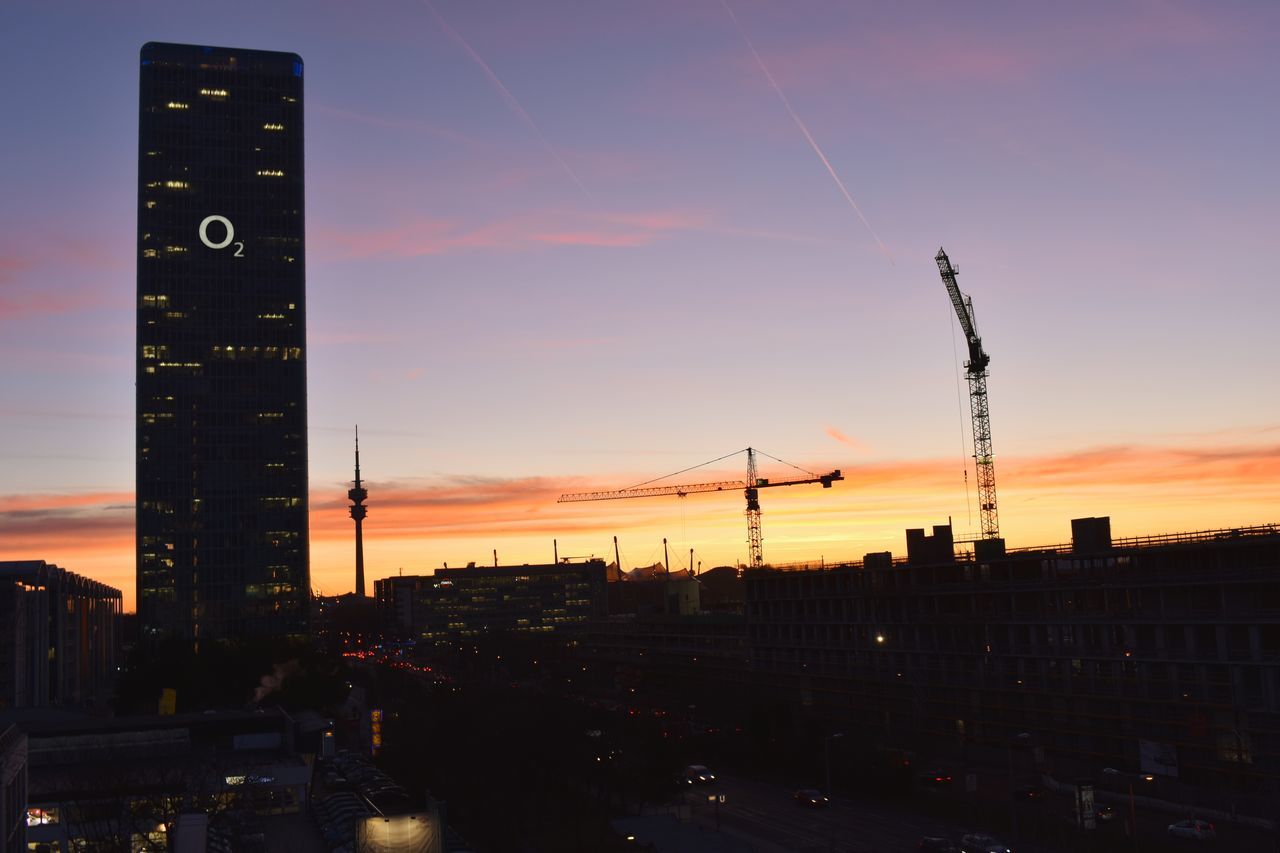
(357,494)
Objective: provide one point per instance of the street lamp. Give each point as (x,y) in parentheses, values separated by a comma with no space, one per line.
(826,754)
(1021,739)
(1133,812)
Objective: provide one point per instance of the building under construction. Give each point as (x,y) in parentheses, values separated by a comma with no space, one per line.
(1156,656)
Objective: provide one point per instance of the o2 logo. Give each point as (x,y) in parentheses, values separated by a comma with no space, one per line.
(227,240)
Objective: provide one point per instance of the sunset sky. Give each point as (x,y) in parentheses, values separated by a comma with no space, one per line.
(559,246)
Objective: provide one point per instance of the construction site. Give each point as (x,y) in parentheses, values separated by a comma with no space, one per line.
(1146,666)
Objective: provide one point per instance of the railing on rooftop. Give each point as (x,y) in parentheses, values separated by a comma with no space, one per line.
(1197,536)
(965,555)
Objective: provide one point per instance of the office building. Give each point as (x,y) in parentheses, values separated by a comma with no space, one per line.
(222,546)
(58,643)
(475,601)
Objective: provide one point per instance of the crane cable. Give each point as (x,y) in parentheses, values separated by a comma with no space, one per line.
(684,470)
(960,417)
(785,462)
(734,453)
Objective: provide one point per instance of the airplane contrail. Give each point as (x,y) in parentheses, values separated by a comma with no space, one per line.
(807,135)
(505,93)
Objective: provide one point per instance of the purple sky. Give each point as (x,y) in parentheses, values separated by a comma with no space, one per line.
(613,254)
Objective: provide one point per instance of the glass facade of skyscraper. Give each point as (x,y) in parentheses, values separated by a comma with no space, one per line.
(221,347)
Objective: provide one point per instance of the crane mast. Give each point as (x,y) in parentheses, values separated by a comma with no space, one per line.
(976,373)
(755,540)
(751,490)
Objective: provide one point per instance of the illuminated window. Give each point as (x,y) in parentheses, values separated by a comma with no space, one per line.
(178,105)
(149,253)
(176,185)
(37,816)
(270,173)
(214,93)
(270,126)
(150,204)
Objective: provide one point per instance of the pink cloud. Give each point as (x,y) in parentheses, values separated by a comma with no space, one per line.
(34,280)
(14,306)
(857,445)
(586,238)
(421,237)
(10,265)
(396,123)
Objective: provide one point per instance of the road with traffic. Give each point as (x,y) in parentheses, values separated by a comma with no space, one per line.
(766,815)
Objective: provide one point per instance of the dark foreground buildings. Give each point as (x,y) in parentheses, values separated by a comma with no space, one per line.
(1153,656)
(221,361)
(58,642)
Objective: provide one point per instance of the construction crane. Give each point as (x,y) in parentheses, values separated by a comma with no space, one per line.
(976,372)
(751,489)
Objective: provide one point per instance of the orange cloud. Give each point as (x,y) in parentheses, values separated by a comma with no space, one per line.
(421,523)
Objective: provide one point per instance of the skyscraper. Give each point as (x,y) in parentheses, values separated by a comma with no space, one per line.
(222,546)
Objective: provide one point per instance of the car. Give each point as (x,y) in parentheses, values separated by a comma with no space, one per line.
(937,844)
(934,778)
(698,774)
(979,843)
(1104,813)
(811,797)
(1030,793)
(1198,830)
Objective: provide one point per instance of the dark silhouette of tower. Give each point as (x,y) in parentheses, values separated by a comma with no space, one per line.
(357,494)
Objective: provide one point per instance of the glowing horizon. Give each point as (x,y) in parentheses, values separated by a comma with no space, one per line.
(418,524)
